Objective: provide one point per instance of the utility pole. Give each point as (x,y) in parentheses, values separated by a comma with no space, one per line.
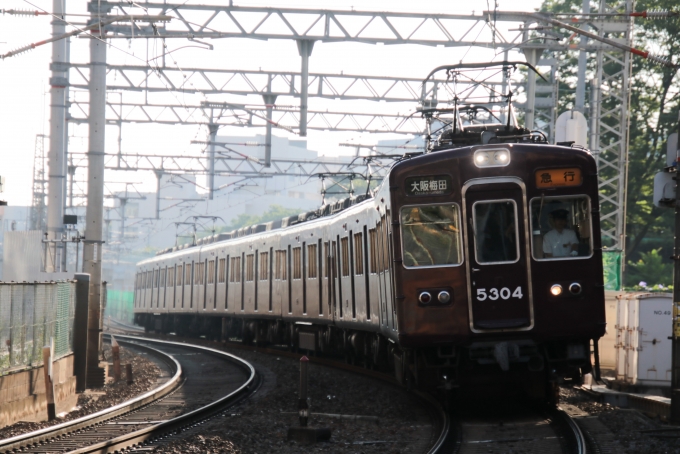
(92,250)
(58,137)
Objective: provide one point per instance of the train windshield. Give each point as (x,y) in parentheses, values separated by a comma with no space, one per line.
(561,228)
(431,235)
(495,225)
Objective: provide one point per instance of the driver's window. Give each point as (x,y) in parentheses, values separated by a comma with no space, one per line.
(495,224)
(561,228)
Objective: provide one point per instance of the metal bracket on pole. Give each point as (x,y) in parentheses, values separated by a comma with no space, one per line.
(305,47)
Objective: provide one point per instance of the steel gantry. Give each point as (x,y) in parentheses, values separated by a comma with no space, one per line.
(308,26)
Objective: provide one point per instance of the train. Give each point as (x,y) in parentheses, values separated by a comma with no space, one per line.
(474,266)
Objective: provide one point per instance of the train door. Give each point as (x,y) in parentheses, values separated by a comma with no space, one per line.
(498,255)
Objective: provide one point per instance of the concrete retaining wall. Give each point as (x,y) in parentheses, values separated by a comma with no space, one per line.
(22,393)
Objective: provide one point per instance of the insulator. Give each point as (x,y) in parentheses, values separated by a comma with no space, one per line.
(660,61)
(21,12)
(18,51)
(660,14)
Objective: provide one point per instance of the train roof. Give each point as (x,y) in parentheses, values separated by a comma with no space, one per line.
(326,210)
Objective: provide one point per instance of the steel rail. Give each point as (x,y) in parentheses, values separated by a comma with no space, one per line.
(151,432)
(578,441)
(40,436)
(444,440)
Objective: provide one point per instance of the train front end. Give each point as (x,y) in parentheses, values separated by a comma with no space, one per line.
(498,265)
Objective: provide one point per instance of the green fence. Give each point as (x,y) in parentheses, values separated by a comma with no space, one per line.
(119,305)
(31,317)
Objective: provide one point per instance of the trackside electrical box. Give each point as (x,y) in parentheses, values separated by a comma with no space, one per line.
(644,323)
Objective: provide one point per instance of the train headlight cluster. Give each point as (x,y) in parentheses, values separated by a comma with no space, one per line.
(435,297)
(556,290)
(492,158)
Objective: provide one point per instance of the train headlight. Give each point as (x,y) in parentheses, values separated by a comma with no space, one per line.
(481,158)
(492,158)
(556,290)
(444,297)
(425,297)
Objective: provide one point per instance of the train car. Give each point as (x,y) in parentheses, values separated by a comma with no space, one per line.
(477,265)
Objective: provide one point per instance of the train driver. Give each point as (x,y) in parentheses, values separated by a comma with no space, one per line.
(560,241)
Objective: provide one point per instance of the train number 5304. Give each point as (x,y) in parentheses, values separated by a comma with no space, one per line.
(494,293)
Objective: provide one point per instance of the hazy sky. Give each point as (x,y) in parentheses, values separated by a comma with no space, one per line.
(24,89)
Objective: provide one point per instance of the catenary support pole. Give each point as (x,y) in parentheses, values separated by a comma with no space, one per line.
(580,102)
(58,133)
(532,55)
(159,176)
(269,101)
(212,129)
(675,366)
(305,49)
(92,250)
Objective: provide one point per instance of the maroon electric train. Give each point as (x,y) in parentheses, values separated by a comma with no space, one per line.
(474,264)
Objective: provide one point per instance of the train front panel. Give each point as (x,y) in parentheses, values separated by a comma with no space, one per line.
(498,256)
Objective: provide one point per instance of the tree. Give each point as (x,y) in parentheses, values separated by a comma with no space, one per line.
(653,116)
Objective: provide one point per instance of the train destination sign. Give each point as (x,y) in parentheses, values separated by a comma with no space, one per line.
(554,178)
(429,185)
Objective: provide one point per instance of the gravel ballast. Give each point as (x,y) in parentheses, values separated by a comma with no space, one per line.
(145,373)
(626,425)
(391,420)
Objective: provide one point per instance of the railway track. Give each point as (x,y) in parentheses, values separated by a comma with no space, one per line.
(522,429)
(441,440)
(199,388)
(533,431)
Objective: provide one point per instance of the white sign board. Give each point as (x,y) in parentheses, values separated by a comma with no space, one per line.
(571,126)
(664,190)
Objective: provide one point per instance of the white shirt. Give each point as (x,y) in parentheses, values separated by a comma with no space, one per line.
(559,244)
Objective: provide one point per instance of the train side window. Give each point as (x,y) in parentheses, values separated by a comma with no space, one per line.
(187,274)
(280,269)
(561,228)
(179,275)
(171,276)
(373,245)
(250,267)
(311,259)
(163,273)
(344,246)
(358,254)
(211,272)
(431,235)
(222,271)
(297,263)
(235,269)
(495,230)
(326,256)
(264,266)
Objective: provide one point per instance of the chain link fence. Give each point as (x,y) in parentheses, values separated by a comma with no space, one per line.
(32,316)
